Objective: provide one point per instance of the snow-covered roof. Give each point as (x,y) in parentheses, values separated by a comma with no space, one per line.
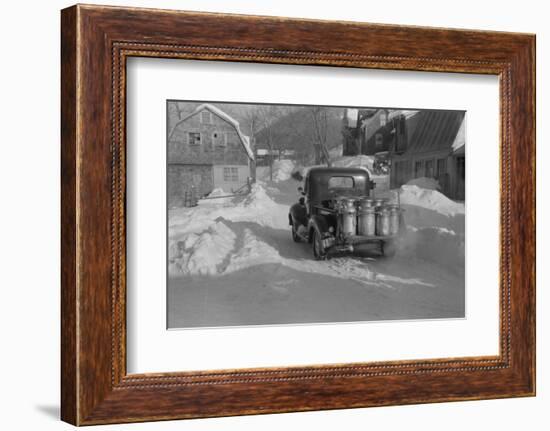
(407,113)
(217,111)
(435,130)
(351,115)
(458,143)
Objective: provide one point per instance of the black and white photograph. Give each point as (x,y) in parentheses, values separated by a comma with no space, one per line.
(259,216)
(300,214)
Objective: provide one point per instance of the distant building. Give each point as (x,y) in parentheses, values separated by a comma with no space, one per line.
(358,127)
(435,148)
(371,131)
(427,143)
(207,150)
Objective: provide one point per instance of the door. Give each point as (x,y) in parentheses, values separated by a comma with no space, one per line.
(460,178)
(443,176)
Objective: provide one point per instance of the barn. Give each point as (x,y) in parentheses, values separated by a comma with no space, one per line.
(207,151)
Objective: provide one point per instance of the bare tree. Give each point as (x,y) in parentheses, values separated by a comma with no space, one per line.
(267,116)
(253,125)
(319,118)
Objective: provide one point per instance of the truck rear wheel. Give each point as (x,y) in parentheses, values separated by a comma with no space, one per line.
(319,251)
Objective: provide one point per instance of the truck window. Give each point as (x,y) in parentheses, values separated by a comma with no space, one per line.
(341,183)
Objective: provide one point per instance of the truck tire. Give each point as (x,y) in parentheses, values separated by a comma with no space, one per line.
(319,252)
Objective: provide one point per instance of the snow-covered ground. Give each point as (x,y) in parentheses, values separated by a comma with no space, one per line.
(282,170)
(237,254)
(203,239)
(425,183)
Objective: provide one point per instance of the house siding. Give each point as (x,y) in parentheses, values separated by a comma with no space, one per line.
(430,138)
(196,165)
(210,150)
(403,170)
(184,178)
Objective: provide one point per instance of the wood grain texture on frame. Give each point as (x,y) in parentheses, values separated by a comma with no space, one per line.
(95,42)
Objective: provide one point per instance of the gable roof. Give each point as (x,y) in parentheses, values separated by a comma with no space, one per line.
(433,130)
(371,125)
(245,140)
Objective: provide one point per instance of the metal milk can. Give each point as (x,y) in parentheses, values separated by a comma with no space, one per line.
(366,202)
(349,219)
(394,219)
(382,221)
(366,220)
(379,202)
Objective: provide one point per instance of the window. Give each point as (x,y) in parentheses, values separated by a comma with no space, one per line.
(206,117)
(194,138)
(418,168)
(341,183)
(429,169)
(383,119)
(230,175)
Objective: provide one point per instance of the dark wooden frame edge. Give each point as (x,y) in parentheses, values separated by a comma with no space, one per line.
(95,43)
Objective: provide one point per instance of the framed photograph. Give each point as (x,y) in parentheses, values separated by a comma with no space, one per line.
(261,217)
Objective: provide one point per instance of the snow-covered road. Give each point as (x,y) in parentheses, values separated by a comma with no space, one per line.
(233,262)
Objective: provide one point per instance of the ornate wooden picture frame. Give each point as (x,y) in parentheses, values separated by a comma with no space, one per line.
(96,41)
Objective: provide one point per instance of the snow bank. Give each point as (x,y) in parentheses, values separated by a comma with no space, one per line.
(254,252)
(282,170)
(435,226)
(425,183)
(201,240)
(336,151)
(215,253)
(255,207)
(430,199)
(202,253)
(259,208)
